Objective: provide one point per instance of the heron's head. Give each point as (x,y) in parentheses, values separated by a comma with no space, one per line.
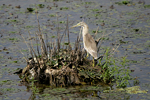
(82,24)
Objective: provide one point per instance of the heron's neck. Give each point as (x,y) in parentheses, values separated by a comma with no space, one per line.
(85,30)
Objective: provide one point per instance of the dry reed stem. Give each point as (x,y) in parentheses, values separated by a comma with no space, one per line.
(22,54)
(114,51)
(68,30)
(96,32)
(101,38)
(37,48)
(32,50)
(43,47)
(32,44)
(25,42)
(58,35)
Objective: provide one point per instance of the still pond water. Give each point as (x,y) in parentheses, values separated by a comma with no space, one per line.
(129,24)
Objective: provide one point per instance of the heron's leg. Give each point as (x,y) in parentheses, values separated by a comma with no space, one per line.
(93,62)
(83,50)
(87,55)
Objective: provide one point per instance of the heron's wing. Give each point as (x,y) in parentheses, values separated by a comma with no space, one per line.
(90,44)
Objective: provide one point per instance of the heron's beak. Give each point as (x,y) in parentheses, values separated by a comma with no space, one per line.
(75,26)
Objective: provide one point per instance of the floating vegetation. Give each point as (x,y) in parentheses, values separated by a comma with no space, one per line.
(30,9)
(29,27)
(41,5)
(64,8)
(136,30)
(89,3)
(12,32)
(12,20)
(15,61)
(130,90)
(62,22)
(52,15)
(122,42)
(95,10)
(14,39)
(138,52)
(146,6)
(123,2)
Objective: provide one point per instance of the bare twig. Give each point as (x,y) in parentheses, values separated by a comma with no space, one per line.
(58,36)
(43,47)
(101,38)
(97,41)
(30,39)
(22,54)
(100,43)
(38,22)
(114,51)
(34,55)
(37,45)
(96,32)
(68,30)
(47,46)
(25,42)
(64,35)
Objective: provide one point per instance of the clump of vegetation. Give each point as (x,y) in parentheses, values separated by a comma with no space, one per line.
(41,5)
(125,2)
(30,9)
(146,6)
(58,63)
(64,8)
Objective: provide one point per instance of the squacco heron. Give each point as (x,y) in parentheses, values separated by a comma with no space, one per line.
(88,41)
